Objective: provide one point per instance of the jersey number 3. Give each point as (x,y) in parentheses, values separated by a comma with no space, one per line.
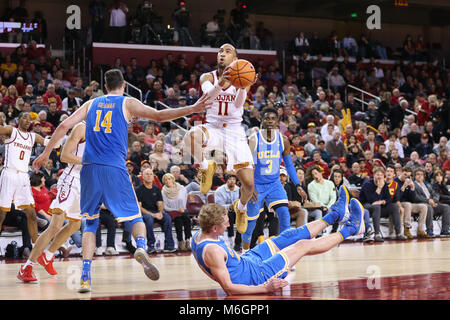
(220,108)
(106,123)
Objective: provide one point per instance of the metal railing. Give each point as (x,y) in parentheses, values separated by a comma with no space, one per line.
(127,90)
(363,93)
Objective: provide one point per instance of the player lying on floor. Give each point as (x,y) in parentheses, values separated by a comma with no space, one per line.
(263,268)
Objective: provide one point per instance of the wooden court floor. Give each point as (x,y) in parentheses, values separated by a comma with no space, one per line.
(388,271)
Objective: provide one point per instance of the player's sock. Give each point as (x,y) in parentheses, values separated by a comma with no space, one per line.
(331,217)
(48,255)
(141,242)
(28,263)
(241,207)
(86,272)
(204,164)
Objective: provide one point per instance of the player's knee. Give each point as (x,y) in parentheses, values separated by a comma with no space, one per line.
(74,225)
(304,244)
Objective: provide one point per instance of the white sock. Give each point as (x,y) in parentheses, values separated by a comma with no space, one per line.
(48,255)
(241,207)
(204,164)
(28,263)
(244,250)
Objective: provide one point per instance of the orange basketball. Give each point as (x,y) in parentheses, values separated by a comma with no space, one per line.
(242,73)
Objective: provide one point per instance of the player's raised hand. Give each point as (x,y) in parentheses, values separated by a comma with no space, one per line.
(39,162)
(202,104)
(275,284)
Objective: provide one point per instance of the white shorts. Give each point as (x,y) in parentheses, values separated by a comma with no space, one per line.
(15,187)
(232,140)
(67,200)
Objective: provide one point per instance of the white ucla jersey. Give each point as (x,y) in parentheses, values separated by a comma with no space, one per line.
(223,108)
(18,150)
(73,170)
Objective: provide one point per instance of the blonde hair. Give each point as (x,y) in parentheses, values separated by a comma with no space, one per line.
(167,176)
(211,215)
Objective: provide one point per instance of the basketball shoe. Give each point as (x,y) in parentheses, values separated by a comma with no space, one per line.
(26,274)
(47,264)
(241,218)
(207,177)
(150,270)
(341,205)
(85,283)
(355,223)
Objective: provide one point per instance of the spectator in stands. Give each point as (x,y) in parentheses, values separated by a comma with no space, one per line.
(212,29)
(108,220)
(53,114)
(301,44)
(42,199)
(408,48)
(137,156)
(335,146)
(132,171)
(71,102)
(78,88)
(320,190)
(39,105)
(299,214)
(97,10)
(152,206)
(357,178)
(87,94)
(46,127)
(160,156)
(375,197)
(394,191)
(439,186)
(423,109)
(18,218)
(175,198)
(424,147)
(181,17)
(415,162)
(226,195)
(118,21)
(179,177)
(350,45)
(336,80)
(10,96)
(426,194)
(407,194)
(51,95)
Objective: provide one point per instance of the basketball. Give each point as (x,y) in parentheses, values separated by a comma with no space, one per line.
(242,73)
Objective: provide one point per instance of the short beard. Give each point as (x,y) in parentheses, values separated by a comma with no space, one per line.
(221,67)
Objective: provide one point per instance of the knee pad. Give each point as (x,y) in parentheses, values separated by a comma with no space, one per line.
(91,225)
(247,235)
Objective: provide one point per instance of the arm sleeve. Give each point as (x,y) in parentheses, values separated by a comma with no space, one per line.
(211,90)
(240,98)
(290,169)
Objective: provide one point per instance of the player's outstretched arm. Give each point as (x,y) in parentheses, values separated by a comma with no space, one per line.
(75,137)
(6,130)
(137,108)
(60,132)
(214,259)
